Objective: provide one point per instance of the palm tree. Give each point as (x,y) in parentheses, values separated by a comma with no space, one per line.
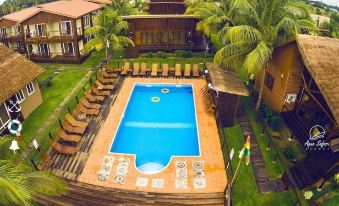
(19,184)
(126,7)
(261,27)
(214,15)
(108,31)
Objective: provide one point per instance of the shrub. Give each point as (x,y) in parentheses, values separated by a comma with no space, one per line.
(289,153)
(49,83)
(179,53)
(273,118)
(161,54)
(187,54)
(149,55)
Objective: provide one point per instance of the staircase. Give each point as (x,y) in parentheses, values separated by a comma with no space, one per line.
(293,122)
(93,195)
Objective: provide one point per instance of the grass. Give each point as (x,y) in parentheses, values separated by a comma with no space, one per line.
(328,189)
(52,97)
(45,75)
(244,191)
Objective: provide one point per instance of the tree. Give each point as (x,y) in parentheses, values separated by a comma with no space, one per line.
(19,183)
(261,27)
(126,7)
(109,33)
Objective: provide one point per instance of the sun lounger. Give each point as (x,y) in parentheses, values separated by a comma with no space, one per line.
(164,70)
(67,137)
(187,72)
(100,93)
(107,75)
(125,69)
(143,69)
(71,129)
(93,98)
(103,86)
(136,69)
(177,70)
(195,70)
(154,72)
(81,109)
(63,148)
(89,105)
(76,123)
(110,70)
(103,80)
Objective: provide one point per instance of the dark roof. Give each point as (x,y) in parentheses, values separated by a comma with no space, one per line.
(16,71)
(320,56)
(226,81)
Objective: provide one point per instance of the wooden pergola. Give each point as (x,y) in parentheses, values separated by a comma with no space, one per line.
(228,88)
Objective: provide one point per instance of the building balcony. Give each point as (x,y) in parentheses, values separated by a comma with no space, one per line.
(58,58)
(20,50)
(54,36)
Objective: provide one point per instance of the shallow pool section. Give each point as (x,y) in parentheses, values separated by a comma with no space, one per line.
(157,125)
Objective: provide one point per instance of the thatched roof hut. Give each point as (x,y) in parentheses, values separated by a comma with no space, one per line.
(226,81)
(320,56)
(16,72)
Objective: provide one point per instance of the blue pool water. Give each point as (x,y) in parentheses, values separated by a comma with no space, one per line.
(155,131)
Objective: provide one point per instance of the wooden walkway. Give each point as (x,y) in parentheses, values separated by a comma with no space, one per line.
(261,176)
(70,167)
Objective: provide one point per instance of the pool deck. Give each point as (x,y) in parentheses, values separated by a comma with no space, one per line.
(210,149)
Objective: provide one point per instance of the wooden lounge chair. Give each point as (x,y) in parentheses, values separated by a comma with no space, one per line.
(103,80)
(93,98)
(72,129)
(76,123)
(164,70)
(110,70)
(108,75)
(89,105)
(103,86)
(81,109)
(100,93)
(154,72)
(187,72)
(67,137)
(177,70)
(195,70)
(143,69)
(136,69)
(63,148)
(125,69)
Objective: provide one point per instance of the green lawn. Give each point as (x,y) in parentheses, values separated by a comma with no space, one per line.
(52,96)
(45,75)
(333,201)
(244,189)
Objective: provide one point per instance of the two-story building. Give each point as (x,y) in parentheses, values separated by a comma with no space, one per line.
(20,94)
(51,32)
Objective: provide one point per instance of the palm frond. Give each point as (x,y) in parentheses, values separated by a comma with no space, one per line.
(257,58)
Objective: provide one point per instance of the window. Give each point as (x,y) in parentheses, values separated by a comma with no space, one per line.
(66,28)
(30,88)
(17,29)
(67,48)
(269,81)
(3,32)
(40,30)
(43,49)
(87,21)
(30,48)
(20,96)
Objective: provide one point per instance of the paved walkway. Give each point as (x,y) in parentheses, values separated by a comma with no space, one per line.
(55,113)
(261,176)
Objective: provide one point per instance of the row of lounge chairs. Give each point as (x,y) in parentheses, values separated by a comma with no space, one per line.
(164,72)
(74,126)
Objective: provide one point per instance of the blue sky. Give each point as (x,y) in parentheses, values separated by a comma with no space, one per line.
(331,2)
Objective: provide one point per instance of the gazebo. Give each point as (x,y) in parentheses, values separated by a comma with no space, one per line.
(228,88)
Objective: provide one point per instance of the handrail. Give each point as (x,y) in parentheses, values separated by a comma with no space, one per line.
(49,34)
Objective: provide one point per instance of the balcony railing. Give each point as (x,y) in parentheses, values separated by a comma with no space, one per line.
(11,35)
(51,34)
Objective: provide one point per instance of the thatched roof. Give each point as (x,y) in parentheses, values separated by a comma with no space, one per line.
(320,56)
(16,71)
(226,81)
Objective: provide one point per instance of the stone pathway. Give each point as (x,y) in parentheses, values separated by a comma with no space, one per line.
(49,78)
(55,113)
(261,176)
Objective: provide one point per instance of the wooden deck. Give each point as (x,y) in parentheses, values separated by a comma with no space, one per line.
(70,167)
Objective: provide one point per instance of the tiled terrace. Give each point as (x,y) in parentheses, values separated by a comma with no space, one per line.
(165,181)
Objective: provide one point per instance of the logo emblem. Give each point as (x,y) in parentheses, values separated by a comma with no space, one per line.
(316,139)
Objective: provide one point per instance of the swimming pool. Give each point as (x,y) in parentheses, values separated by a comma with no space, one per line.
(159,122)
